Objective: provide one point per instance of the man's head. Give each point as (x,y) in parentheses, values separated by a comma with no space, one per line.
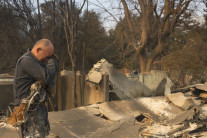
(43,49)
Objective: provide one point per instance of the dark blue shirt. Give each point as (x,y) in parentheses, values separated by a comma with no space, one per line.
(29,70)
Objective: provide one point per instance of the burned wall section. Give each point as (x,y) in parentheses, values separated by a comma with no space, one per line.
(69,91)
(65,94)
(157,81)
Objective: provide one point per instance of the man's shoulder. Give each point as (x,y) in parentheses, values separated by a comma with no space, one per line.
(27,57)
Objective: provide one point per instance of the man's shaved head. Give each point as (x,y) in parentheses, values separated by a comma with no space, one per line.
(43,42)
(43,49)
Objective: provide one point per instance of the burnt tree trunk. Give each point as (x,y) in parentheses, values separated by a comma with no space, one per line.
(155,28)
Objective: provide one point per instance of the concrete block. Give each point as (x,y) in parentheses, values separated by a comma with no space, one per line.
(180,100)
(94,76)
(201,87)
(157,81)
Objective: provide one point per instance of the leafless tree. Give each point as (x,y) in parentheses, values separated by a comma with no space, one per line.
(26,11)
(158,21)
(149,26)
(70,16)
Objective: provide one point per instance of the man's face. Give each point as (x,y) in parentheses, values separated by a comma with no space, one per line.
(44,53)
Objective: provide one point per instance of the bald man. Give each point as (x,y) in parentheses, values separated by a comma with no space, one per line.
(31,68)
(39,64)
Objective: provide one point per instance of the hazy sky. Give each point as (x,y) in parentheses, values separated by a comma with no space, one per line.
(111,5)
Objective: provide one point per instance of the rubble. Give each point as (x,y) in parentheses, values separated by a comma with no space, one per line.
(201,87)
(155,83)
(191,127)
(139,117)
(158,106)
(95,74)
(122,86)
(180,100)
(203,114)
(181,113)
(157,130)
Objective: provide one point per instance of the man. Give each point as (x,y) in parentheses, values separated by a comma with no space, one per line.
(39,64)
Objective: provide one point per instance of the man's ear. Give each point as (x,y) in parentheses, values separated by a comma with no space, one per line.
(38,49)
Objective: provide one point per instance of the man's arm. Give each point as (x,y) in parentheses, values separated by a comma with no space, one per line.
(39,72)
(51,69)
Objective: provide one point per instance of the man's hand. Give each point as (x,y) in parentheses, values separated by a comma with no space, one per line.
(54,56)
(53,59)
